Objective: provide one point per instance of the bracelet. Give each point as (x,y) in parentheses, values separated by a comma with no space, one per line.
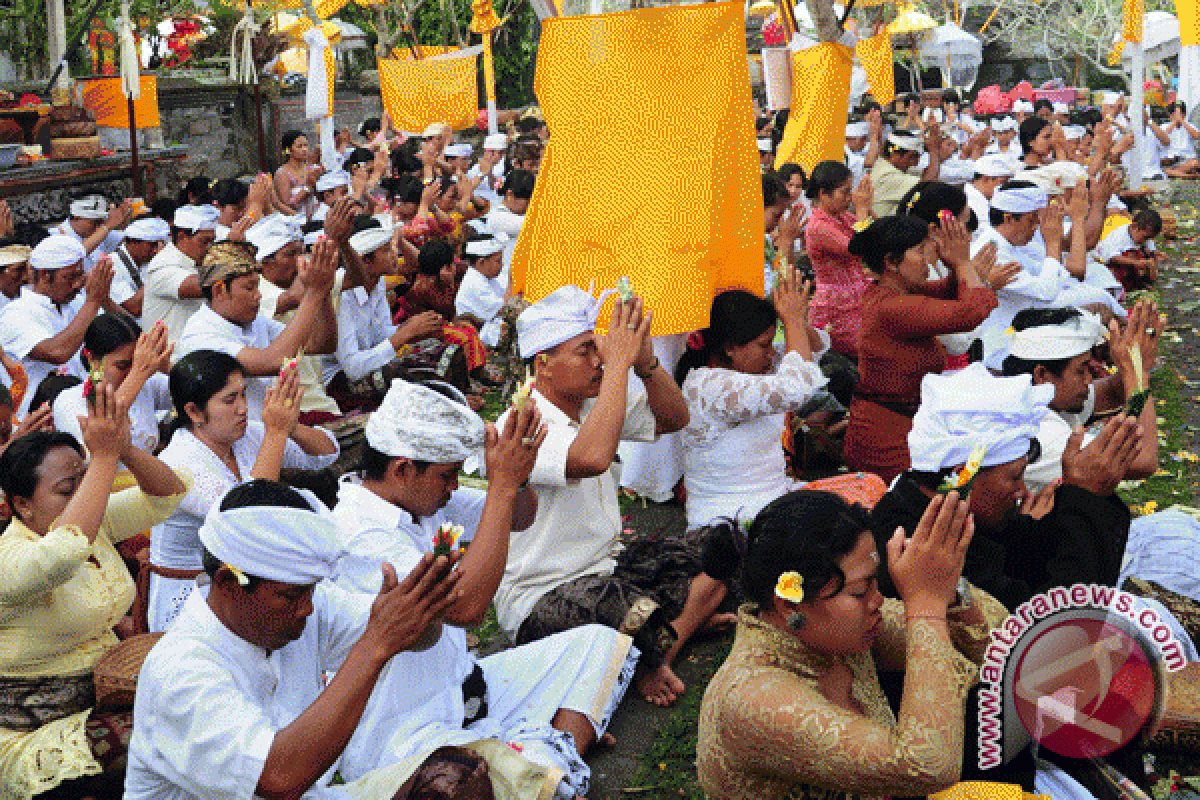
(929,615)
(646,375)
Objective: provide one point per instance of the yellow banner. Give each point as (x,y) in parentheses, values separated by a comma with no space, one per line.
(104,98)
(417,94)
(1131,24)
(875,54)
(651,171)
(816,128)
(1189,21)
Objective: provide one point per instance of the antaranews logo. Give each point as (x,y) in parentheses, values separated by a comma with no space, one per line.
(1079,669)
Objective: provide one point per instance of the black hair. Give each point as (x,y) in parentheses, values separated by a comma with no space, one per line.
(289,138)
(868,106)
(404,158)
(520,183)
(523,150)
(196,378)
(1036,318)
(364,222)
(773,189)
(995,216)
(370,126)
(406,188)
(229,192)
(911,97)
(1148,220)
(434,254)
(373,464)
(163,208)
(826,176)
(781,120)
(1041,103)
(5,397)
(106,333)
(789,169)
(21,460)
(530,124)
(951,96)
(805,531)
(928,199)
(737,317)
(50,388)
(887,238)
(1177,105)
(359,155)
(1029,131)
(197,191)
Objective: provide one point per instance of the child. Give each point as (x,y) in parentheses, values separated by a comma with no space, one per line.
(1129,251)
(481,294)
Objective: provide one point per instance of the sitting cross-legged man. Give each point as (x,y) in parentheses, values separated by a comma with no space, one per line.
(568,568)
(234,700)
(550,699)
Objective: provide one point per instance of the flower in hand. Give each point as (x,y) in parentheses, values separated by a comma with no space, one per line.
(445,540)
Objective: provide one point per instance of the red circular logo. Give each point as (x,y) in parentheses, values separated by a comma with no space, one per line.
(1084,686)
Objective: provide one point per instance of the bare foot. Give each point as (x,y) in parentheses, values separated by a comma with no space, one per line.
(719,623)
(661,687)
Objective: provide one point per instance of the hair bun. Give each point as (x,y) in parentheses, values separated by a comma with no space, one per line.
(860,242)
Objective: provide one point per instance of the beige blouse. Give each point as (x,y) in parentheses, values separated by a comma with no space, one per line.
(57,612)
(766,731)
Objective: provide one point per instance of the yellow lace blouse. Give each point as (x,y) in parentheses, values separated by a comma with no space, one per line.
(57,612)
(766,731)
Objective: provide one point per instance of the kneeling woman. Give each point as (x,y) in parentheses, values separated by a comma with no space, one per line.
(62,589)
(903,314)
(797,710)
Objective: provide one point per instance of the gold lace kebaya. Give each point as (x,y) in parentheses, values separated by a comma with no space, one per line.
(767,731)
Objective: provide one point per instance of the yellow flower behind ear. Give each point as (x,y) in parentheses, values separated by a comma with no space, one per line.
(237,573)
(790,587)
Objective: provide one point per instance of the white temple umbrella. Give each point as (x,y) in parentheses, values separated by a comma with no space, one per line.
(957,53)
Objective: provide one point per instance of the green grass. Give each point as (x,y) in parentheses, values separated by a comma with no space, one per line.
(669,766)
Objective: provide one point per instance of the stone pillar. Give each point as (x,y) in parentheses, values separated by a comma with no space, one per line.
(57,40)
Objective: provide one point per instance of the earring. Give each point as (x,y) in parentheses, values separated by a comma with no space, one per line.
(796,621)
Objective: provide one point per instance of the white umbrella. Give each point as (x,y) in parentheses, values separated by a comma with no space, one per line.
(957,53)
(1160,38)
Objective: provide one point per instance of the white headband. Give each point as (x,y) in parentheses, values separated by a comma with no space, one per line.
(196,218)
(422,424)
(971,409)
(1022,106)
(276,543)
(57,252)
(764,145)
(148,229)
(993,165)
(370,240)
(13,254)
(332,180)
(1061,108)
(90,207)
(561,315)
(495,141)
(1019,201)
(1074,337)
(856,129)
(487,247)
(905,142)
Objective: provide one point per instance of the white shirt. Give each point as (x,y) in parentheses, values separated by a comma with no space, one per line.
(1037,285)
(25,323)
(980,205)
(106,246)
(733,458)
(501,220)
(425,687)
(1117,242)
(123,286)
(162,278)
(364,328)
(1151,156)
(208,330)
(1012,154)
(1181,144)
(209,704)
(155,396)
(482,297)
(578,520)
(1055,429)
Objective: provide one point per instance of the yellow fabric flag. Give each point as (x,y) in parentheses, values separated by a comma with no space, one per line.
(875,54)
(1189,21)
(651,170)
(1131,29)
(330,75)
(816,128)
(417,94)
(983,790)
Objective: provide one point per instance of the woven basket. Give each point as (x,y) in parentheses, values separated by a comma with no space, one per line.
(117,673)
(80,148)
